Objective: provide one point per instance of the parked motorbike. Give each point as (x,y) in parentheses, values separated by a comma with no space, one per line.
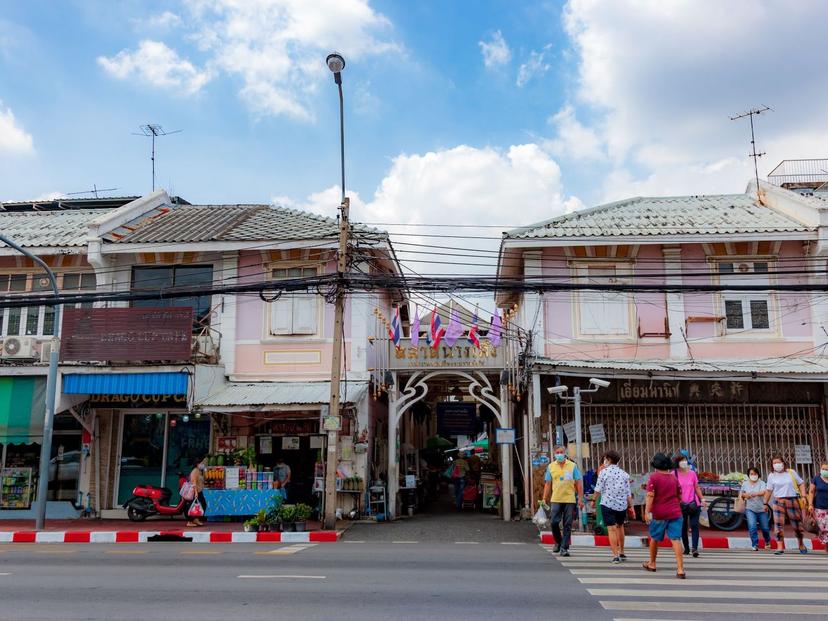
(149,500)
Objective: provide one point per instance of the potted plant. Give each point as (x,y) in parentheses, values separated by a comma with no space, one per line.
(261,521)
(251,525)
(287,518)
(303,512)
(272,515)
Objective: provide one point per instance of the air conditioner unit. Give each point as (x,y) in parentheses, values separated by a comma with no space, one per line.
(19,348)
(45,351)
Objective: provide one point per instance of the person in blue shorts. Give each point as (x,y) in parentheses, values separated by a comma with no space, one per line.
(662,511)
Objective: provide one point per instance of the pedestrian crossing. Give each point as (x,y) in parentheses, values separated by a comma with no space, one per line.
(720,584)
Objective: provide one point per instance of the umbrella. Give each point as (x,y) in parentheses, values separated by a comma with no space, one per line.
(437,442)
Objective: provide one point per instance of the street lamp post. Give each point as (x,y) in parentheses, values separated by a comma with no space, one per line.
(336,64)
(560,391)
(51,388)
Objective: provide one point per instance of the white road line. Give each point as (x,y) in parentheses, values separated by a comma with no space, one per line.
(671,562)
(5,573)
(512,543)
(405,542)
(466,543)
(692,580)
(355,541)
(272,576)
(744,608)
(752,595)
(623,570)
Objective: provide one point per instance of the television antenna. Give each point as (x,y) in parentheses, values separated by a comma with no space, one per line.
(94,191)
(153,130)
(755,155)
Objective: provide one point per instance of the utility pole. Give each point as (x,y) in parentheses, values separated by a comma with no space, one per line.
(333,423)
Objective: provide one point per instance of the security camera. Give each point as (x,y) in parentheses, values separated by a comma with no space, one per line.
(599,382)
(557,390)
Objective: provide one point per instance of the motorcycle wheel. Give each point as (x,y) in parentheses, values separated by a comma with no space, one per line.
(136,516)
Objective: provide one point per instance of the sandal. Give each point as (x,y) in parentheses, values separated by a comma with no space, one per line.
(648,567)
(803,550)
(681,576)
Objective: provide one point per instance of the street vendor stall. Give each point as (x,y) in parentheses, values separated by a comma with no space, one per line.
(238,491)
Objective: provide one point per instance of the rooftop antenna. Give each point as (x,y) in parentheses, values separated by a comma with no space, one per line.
(751,113)
(153,130)
(94,191)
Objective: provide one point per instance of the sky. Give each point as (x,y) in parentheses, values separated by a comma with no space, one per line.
(488,113)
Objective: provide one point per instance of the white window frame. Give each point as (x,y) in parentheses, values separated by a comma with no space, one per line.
(746,277)
(624,275)
(293,298)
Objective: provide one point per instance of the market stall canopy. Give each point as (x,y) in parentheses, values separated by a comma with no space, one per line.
(438,442)
(236,396)
(22,407)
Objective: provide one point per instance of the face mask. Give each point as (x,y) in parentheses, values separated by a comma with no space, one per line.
(824,473)
(559,457)
(779,467)
(683,465)
(202,467)
(754,477)
(606,463)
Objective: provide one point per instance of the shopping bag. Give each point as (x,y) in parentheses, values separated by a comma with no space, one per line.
(187,492)
(739,505)
(541,519)
(704,519)
(195,510)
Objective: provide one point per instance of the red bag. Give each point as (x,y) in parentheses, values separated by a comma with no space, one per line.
(195,510)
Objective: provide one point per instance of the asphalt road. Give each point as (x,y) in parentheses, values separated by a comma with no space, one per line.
(386,580)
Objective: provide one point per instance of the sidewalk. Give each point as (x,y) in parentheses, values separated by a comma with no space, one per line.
(124,531)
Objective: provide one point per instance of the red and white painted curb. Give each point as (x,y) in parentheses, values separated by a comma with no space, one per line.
(710,543)
(142,536)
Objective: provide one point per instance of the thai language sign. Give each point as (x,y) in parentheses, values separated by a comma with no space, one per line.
(456,419)
(462,355)
(127,334)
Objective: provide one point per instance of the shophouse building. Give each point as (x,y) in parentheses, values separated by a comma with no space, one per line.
(730,376)
(258,366)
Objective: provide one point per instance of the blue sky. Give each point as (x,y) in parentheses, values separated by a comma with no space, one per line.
(461,112)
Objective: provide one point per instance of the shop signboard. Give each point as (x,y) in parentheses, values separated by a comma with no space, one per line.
(456,419)
(290,443)
(292,427)
(126,334)
(265,445)
(709,391)
(569,430)
(227,443)
(462,355)
(139,401)
(597,434)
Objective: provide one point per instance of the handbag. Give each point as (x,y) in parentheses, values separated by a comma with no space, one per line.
(803,506)
(195,510)
(689,508)
(187,491)
(739,505)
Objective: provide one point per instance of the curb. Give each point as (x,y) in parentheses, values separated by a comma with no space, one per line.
(711,543)
(143,536)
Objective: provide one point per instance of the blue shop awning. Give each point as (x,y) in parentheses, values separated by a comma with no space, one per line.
(126,383)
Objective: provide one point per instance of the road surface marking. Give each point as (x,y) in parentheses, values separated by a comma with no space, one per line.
(776,595)
(744,608)
(692,580)
(126,551)
(466,543)
(287,550)
(356,541)
(5,573)
(670,563)
(271,576)
(622,570)
(405,542)
(512,543)
(201,552)
(56,551)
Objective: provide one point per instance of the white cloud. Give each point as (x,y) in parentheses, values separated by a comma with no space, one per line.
(495,52)
(49,196)
(156,64)
(662,79)
(572,139)
(164,21)
(535,67)
(459,186)
(13,138)
(276,48)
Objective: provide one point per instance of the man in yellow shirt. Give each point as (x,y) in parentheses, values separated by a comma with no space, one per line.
(564,488)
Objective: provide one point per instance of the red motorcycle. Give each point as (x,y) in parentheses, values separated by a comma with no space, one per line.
(148,500)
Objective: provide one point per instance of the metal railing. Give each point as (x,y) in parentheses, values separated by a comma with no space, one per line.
(812,171)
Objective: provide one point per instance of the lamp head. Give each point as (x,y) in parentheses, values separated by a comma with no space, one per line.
(557,390)
(335,63)
(599,382)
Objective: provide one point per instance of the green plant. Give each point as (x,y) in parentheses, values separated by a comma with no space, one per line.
(287,514)
(303,512)
(247,456)
(273,509)
(261,517)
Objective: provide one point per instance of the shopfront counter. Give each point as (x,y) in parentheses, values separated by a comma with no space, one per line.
(222,502)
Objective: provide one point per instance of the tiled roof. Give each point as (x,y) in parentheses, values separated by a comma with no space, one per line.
(282,393)
(48,228)
(769,366)
(671,215)
(202,223)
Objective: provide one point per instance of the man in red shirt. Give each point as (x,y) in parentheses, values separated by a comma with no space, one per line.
(662,511)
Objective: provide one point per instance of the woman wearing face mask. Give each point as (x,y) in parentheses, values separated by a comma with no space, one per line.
(786,487)
(756,511)
(818,502)
(197,481)
(691,503)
